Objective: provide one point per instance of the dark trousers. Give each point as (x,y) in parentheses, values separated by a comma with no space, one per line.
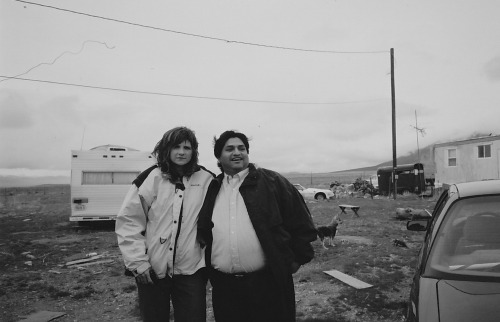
(251,297)
(188,294)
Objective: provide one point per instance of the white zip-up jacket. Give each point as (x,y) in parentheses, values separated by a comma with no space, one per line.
(147,224)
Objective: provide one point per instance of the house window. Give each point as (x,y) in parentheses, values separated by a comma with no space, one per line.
(484,151)
(452,157)
(108,178)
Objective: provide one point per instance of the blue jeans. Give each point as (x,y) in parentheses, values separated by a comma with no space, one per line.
(187,292)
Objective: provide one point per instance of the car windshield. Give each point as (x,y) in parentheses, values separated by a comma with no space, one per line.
(468,240)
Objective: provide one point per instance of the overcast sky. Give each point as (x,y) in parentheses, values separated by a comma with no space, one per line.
(308,81)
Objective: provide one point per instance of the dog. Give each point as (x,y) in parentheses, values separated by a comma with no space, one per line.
(329,231)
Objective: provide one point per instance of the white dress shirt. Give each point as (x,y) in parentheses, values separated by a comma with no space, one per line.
(235,248)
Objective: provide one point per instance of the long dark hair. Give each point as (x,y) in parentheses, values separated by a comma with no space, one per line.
(164,147)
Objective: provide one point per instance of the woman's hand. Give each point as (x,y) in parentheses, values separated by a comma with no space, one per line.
(145,277)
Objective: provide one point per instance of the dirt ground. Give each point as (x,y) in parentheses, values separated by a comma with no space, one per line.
(37,241)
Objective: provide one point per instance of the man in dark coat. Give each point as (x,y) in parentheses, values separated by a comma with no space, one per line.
(258,232)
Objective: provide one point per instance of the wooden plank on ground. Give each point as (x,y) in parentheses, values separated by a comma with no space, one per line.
(93,263)
(354,282)
(84,260)
(42,316)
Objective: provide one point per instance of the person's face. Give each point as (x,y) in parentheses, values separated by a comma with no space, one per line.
(181,153)
(234,156)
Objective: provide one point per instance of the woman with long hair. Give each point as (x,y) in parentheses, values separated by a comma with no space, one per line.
(156,230)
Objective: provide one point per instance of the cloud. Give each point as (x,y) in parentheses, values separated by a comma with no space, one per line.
(492,69)
(63,109)
(14,111)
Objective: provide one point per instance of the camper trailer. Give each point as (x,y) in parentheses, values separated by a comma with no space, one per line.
(100,179)
(410,179)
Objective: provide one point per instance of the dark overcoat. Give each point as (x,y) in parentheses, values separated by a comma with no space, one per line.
(281,220)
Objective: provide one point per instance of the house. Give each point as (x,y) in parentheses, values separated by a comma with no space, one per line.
(467,160)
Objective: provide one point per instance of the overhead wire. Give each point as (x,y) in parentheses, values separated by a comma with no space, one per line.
(191,35)
(61,55)
(188,96)
(202,36)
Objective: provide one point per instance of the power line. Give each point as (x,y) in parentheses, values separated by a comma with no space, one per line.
(203,36)
(187,96)
(58,57)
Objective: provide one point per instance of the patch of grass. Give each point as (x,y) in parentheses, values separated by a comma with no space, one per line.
(327,318)
(372,300)
(135,310)
(86,279)
(116,273)
(85,293)
(56,293)
(379,262)
(129,288)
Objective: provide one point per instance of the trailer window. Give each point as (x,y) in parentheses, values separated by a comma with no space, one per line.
(124,177)
(95,178)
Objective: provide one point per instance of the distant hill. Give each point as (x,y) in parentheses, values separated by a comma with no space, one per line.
(423,156)
(24,181)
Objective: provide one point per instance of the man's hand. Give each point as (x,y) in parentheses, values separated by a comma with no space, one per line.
(201,241)
(145,277)
(294,267)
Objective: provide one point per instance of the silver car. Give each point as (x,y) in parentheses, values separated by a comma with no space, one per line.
(457,277)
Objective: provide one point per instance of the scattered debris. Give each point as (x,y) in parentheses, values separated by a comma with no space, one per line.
(342,190)
(354,239)
(349,280)
(412,214)
(85,260)
(44,256)
(27,219)
(93,263)
(29,263)
(399,243)
(7,254)
(42,316)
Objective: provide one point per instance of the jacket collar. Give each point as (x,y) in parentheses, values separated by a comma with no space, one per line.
(251,178)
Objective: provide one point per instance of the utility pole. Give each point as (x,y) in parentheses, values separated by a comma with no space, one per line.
(393,95)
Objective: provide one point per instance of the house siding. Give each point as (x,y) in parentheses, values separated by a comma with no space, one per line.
(469,167)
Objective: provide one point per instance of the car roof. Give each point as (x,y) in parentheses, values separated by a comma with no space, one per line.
(474,188)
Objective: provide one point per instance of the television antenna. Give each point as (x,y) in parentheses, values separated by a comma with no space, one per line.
(418,130)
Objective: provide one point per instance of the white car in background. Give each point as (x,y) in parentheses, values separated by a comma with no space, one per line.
(314,193)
